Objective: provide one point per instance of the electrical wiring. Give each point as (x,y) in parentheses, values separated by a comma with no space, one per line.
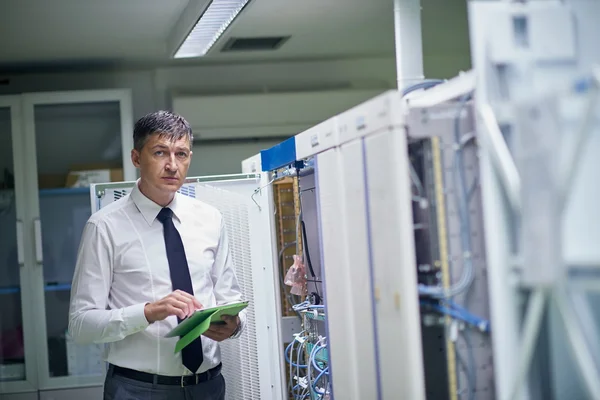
(482,324)
(427,84)
(470,366)
(313,354)
(259,190)
(299,354)
(323,373)
(458,313)
(420,196)
(467,275)
(318,346)
(310,383)
(307,252)
(306,305)
(469,371)
(288,354)
(305,241)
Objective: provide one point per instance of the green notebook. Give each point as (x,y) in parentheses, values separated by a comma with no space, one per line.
(197,323)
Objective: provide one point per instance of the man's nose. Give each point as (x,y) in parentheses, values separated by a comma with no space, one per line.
(172,164)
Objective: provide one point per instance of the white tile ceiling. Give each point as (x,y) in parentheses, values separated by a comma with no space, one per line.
(76,31)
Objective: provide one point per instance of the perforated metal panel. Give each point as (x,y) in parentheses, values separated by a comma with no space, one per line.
(240,357)
(110,195)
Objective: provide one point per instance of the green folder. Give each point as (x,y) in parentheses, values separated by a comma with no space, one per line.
(196,324)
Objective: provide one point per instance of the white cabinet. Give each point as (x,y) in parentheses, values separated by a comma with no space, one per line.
(44,135)
(251,363)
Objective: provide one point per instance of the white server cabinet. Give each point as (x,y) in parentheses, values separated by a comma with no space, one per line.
(251,363)
(368,255)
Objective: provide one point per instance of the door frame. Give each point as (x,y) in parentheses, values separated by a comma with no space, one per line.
(13,103)
(28,103)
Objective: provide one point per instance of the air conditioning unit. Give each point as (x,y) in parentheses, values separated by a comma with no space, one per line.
(263,115)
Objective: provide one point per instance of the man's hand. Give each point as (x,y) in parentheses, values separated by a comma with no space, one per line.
(179,303)
(220,332)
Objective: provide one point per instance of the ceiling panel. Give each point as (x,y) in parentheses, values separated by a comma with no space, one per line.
(62,32)
(37,30)
(336,28)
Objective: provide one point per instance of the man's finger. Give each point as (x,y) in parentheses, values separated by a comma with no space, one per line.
(209,334)
(194,302)
(197,304)
(184,297)
(175,311)
(220,329)
(191,302)
(214,336)
(181,305)
(229,318)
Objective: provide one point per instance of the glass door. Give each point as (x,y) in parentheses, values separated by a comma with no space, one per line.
(17,363)
(77,138)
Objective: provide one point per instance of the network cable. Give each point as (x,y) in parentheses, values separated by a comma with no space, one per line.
(302,226)
(426,84)
(307,305)
(289,353)
(459,313)
(313,357)
(323,373)
(467,275)
(470,367)
(299,352)
(455,311)
(318,346)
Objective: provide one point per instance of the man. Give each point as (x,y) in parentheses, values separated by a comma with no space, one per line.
(146,262)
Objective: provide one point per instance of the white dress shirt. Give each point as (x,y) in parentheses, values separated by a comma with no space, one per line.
(122,265)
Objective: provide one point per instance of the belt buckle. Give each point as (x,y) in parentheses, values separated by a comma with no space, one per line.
(183,379)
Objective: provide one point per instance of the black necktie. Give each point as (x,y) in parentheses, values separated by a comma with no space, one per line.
(180,278)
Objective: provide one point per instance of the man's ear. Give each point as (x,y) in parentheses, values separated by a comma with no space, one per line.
(135,158)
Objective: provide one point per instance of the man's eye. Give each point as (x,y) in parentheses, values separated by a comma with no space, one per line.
(182,154)
(158,153)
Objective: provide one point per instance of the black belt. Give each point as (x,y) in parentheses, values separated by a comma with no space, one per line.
(185,380)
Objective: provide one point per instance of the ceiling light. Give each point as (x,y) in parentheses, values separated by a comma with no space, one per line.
(211,25)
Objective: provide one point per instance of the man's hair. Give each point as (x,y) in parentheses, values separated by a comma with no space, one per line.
(163,123)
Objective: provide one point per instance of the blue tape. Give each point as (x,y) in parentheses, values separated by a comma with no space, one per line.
(279,155)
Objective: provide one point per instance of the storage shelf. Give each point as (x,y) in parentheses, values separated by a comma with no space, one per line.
(64,191)
(59,287)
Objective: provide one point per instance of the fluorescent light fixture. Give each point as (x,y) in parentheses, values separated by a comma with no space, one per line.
(210,26)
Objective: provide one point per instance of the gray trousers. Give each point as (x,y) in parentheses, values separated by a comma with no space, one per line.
(118,387)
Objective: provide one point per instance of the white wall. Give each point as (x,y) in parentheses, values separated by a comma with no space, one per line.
(153,87)
(446,47)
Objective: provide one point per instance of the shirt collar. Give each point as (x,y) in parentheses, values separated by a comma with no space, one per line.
(149,209)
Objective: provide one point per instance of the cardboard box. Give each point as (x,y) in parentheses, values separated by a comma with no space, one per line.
(84,175)
(51,181)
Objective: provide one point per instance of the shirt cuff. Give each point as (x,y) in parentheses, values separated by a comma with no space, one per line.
(135,318)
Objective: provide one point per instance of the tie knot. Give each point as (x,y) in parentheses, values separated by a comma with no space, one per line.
(165,214)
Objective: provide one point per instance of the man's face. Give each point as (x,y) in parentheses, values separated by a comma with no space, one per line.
(163,163)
